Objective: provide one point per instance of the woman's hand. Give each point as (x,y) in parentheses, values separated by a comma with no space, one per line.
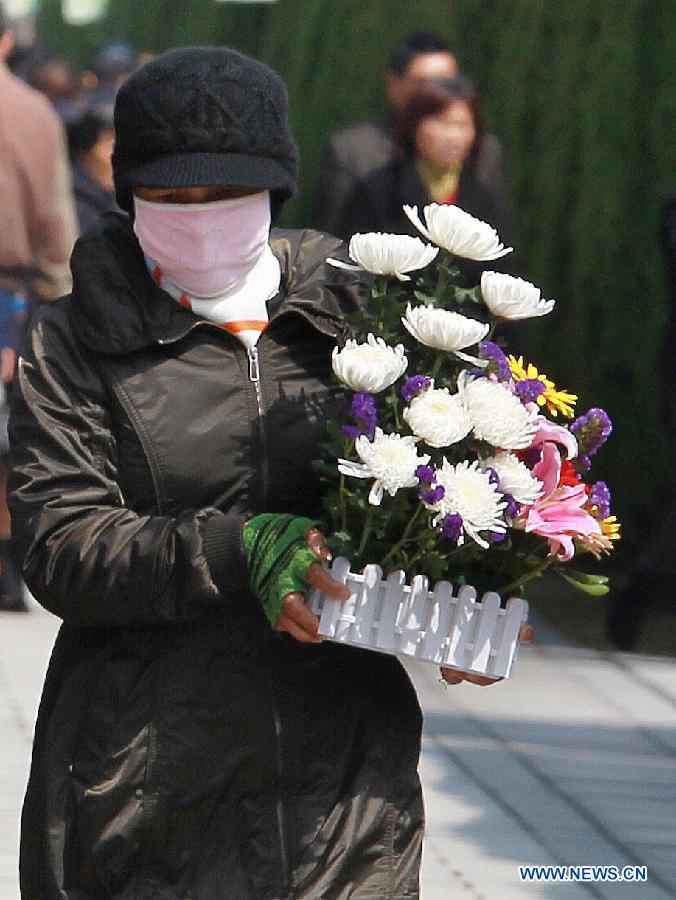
(454,676)
(296,619)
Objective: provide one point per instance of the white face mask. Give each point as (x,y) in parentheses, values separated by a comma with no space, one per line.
(204,248)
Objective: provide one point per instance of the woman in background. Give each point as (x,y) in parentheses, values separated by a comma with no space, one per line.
(440,131)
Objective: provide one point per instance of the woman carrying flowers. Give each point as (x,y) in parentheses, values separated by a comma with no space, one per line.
(196,738)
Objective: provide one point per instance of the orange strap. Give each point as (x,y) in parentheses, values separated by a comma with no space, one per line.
(244,325)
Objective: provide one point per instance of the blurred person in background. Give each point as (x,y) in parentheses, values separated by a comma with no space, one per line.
(353,153)
(58,80)
(440,133)
(91,137)
(37,231)
(109,69)
(652,581)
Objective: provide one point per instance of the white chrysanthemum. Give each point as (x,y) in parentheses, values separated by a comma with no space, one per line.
(458,232)
(390,459)
(513,298)
(387,254)
(515,477)
(438,417)
(443,329)
(369,367)
(469,493)
(498,416)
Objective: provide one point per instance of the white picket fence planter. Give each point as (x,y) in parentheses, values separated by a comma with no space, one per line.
(436,626)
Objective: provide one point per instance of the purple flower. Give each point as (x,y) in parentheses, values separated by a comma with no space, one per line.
(600,496)
(497,361)
(451,526)
(582,462)
(415,385)
(425,475)
(529,389)
(493,477)
(365,413)
(434,494)
(496,536)
(512,507)
(429,491)
(592,430)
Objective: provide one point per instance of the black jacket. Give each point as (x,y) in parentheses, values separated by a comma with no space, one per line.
(183,749)
(376,204)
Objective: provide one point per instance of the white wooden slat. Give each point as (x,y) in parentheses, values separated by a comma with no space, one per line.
(487,617)
(412,621)
(501,661)
(367,604)
(461,627)
(333,609)
(392,601)
(436,633)
(416,616)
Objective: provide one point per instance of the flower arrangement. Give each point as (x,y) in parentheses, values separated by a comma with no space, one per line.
(452,460)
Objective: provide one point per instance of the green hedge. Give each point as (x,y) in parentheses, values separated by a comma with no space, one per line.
(580,94)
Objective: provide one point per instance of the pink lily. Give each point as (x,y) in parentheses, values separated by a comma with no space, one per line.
(550,431)
(558,515)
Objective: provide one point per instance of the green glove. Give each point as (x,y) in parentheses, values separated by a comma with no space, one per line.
(277,557)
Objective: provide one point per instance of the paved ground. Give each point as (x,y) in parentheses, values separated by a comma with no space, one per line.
(572,762)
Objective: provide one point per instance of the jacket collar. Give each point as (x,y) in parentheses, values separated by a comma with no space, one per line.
(118,308)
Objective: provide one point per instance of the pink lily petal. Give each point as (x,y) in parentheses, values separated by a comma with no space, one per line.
(550,431)
(548,469)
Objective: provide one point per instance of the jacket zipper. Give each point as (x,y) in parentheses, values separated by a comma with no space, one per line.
(255,379)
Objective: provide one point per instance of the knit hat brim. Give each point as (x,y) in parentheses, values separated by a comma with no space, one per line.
(206,170)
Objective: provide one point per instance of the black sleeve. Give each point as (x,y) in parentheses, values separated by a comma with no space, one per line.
(84,555)
(334,189)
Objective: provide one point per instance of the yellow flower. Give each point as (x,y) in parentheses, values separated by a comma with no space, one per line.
(611,528)
(556,401)
(602,543)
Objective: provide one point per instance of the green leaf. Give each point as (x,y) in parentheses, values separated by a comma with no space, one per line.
(584,577)
(594,590)
(424,298)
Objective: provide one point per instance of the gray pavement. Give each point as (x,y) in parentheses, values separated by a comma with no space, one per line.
(571,762)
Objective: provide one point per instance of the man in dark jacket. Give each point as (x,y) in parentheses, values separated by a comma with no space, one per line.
(354,153)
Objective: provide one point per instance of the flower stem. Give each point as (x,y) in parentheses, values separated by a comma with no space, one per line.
(436,365)
(407,531)
(441,281)
(347,445)
(366,532)
(395,410)
(535,573)
(341,501)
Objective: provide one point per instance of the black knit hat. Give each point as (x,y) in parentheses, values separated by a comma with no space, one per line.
(203,116)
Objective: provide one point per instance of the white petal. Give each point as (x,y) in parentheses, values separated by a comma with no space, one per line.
(479,363)
(339,264)
(376,494)
(355,470)
(411,213)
